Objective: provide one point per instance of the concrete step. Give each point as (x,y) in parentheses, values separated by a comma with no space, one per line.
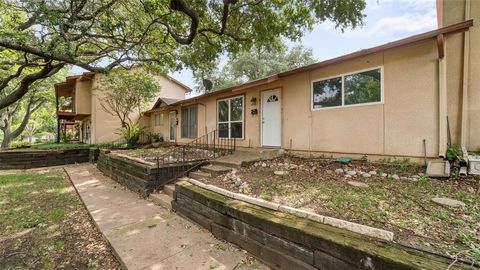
(198,175)
(227,163)
(216,170)
(169,189)
(161,199)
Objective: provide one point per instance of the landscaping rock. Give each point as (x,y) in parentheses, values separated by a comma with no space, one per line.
(352,173)
(264,165)
(448,202)
(344,160)
(339,171)
(366,175)
(396,177)
(281,173)
(357,184)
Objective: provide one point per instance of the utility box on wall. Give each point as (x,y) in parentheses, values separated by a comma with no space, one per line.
(474,164)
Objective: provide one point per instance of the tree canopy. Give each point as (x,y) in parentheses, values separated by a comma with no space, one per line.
(99,35)
(254,64)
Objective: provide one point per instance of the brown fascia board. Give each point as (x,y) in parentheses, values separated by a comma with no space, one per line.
(416,39)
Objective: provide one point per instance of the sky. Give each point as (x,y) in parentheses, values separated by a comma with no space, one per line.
(385,21)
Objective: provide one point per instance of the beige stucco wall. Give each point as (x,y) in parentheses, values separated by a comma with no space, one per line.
(170,89)
(396,127)
(454,12)
(83,92)
(104,125)
(160,129)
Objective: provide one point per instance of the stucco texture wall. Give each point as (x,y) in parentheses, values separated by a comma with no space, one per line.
(105,126)
(396,127)
(454,12)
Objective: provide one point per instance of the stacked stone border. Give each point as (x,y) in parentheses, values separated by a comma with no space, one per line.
(335,222)
(286,241)
(28,159)
(137,175)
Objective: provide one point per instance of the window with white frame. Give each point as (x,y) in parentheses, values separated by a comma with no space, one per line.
(364,87)
(159,119)
(230,117)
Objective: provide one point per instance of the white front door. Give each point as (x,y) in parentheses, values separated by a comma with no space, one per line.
(271,118)
(173,125)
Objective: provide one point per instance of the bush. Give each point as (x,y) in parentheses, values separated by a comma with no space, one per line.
(131,134)
(21,145)
(157,138)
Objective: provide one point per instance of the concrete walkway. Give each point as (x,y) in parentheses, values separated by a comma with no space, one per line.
(146,236)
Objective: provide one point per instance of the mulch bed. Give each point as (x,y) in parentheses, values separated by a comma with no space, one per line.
(402,205)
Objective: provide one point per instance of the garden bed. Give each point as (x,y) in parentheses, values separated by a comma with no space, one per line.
(395,196)
(44,225)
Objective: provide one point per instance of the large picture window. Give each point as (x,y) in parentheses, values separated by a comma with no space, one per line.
(230,117)
(189,122)
(357,88)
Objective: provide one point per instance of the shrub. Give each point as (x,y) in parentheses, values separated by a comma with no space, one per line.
(21,145)
(157,137)
(131,134)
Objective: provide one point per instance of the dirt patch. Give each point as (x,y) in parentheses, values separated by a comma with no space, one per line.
(47,230)
(393,195)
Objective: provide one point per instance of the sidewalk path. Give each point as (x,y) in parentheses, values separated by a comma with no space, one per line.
(146,236)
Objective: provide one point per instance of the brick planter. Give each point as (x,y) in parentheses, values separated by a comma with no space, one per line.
(27,159)
(285,241)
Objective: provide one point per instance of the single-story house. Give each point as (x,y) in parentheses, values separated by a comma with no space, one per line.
(406,98)
(79,106)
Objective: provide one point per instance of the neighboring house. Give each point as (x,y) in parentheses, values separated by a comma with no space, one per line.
(390,100)
(79,101)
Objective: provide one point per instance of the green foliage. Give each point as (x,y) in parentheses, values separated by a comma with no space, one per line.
(131,134)
(21,145)
(454,153)
(128,92)
(455,156)
(254,64)
(157,138)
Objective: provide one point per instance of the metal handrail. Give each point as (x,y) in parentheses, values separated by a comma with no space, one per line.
(202,148)
(183,159)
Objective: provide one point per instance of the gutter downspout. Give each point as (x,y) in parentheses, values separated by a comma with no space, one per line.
(442,85)
(442,103)
(465,86)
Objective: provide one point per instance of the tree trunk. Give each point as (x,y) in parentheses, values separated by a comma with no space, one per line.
(7,137)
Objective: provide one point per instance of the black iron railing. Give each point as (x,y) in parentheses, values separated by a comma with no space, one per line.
(182,159)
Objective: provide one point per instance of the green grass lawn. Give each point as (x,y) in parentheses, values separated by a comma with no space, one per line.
(43,224)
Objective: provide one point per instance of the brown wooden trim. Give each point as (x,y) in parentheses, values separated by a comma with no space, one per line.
(416,39)
(440,46)
(455,28)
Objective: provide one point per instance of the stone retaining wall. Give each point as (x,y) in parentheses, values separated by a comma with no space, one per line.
(27,159)
(142,178)
(285,241)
